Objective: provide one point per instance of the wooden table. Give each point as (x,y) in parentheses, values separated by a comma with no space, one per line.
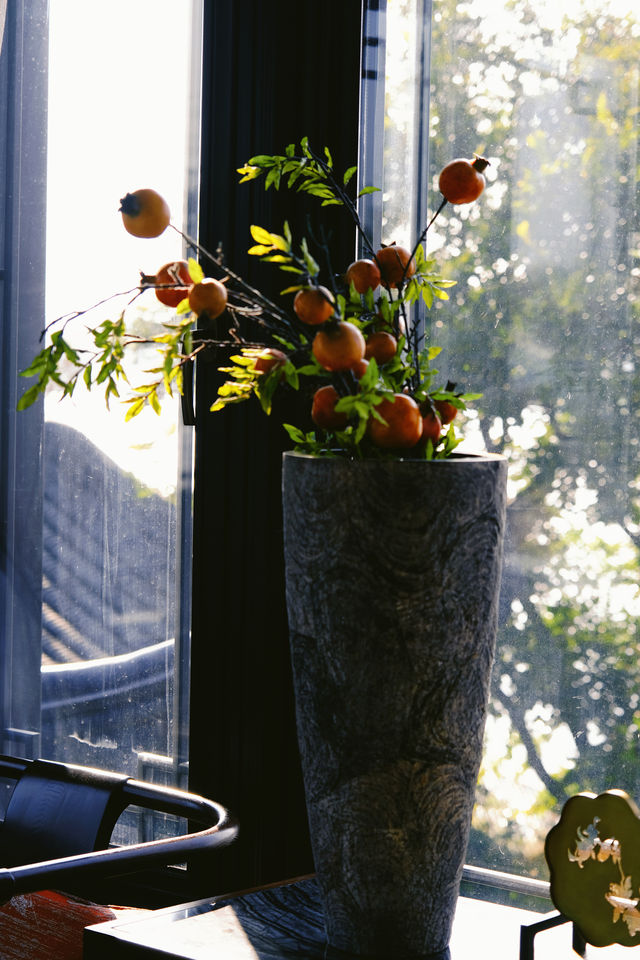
(284,922)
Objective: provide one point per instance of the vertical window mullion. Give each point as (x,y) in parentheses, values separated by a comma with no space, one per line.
(23,113)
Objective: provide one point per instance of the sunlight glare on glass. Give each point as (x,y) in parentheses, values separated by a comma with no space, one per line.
(118,114)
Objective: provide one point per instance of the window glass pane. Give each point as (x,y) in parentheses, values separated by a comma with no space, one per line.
(401,131)
(120,113)
(543,321)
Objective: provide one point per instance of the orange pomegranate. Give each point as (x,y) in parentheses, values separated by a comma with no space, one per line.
(208,297)
(403,423)
(339,346)
(176,273)
(314,305)
(323,409)
(446,410)
(359,369)
(364,275)
(269,358)
(461,181)
(144,213)
(396,264)
(382,346)
(431,427)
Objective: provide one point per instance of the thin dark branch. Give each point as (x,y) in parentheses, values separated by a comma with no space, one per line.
(520,726)
(68,317)
(271,309)
(346,200)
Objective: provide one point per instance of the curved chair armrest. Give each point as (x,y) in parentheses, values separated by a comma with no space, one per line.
(220,829)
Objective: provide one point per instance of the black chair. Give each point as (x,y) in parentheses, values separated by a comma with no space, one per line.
(60,817)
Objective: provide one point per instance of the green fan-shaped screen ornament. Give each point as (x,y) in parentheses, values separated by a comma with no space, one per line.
(593,854)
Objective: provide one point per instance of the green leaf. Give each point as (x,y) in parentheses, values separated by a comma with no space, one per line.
(102,334)
(310,263)
(290,375)
(319,190)
(29,396)
(427,295)
(38,364)
(370,376)
(294,432)
(262,160)
(310,370)
(144,387)
(111,390)
(348,174)
(440,294)
(366,190)
(273,178)
(295,174)
(361,430)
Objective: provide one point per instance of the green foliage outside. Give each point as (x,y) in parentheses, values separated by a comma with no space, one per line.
(545,317)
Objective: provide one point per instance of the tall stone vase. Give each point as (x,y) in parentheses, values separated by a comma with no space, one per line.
(392,574)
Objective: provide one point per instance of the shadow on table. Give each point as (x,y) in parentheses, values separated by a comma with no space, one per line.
(287,923)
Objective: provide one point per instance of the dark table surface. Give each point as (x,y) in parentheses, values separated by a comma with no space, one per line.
(285,922)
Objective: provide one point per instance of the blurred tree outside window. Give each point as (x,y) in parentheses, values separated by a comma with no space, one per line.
(544,320)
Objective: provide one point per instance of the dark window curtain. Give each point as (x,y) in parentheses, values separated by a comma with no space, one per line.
(273,73)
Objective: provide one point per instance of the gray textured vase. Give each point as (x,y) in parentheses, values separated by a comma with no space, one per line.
(393,573)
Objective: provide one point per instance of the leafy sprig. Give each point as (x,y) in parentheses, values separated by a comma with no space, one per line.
(307,172)
(390,307)
(273,248)
(312,174)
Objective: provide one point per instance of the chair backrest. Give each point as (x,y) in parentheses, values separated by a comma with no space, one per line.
(60,817)
(58,811)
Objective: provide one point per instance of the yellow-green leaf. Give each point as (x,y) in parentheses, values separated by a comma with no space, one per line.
(134,409)
(195,270)
(248,172)
(260,235)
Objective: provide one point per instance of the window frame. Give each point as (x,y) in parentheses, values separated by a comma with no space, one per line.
(22,253)
(243,746)
(237,729)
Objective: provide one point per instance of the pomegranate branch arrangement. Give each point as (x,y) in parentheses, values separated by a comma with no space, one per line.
(345,336)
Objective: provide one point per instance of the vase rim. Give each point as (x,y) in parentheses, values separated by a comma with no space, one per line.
(454,458)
